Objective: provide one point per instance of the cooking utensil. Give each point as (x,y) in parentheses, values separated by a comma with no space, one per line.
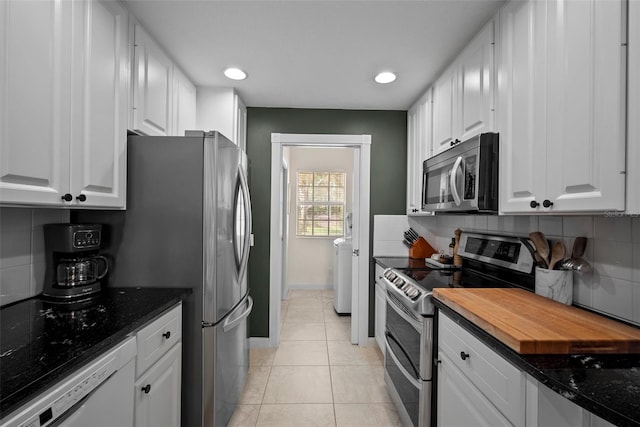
(413,234)
(542,246)
(406,243)
(557,254)
(576,262)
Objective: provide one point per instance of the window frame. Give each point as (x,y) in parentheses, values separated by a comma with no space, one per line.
(314,203)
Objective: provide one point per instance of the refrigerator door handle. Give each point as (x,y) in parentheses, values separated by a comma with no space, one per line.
(232,321)
(247,235)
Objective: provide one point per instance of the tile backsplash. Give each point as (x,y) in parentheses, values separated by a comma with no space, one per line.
(22,258)
(613,249)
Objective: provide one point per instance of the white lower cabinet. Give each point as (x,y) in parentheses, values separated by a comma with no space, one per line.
(485,373)
(460,403)
(381,307)
(157,390)
(478,387)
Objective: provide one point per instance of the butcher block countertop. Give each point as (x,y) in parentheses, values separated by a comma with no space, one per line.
(593,365)
(532,324)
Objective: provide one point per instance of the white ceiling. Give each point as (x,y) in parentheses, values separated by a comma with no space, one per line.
(315,53)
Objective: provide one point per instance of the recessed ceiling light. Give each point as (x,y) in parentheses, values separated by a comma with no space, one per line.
(385,77)
(235,73)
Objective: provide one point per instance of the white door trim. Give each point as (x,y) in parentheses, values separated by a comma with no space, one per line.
(360,297)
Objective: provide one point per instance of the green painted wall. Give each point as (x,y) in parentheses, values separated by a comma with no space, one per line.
(388,130)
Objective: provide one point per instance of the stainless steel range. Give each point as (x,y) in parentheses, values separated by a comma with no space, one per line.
(489,261)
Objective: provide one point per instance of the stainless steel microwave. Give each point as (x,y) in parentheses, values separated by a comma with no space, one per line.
(463,178)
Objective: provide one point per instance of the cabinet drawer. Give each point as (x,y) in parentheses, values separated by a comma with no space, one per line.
(157,338)
(502,383)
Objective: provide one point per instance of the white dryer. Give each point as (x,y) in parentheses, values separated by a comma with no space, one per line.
(342,259)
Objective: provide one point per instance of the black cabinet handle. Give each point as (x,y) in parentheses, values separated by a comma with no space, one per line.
(67,197)
(547,203)
(167,334)
(534,204)
(146,389)
(436,362)
(464,355)
(81,198)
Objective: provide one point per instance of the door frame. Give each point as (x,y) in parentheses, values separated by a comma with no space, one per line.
(360,296)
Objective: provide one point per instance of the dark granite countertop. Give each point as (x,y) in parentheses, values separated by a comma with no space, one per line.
(607,385)
(41,343)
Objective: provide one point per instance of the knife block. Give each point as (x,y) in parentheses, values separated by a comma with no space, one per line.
(421,249)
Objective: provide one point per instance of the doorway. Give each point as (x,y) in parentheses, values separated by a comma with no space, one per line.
(360,231)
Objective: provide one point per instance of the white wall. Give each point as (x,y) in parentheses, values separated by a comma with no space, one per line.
(613,249)
(310,260)
(214,110)
(22,258)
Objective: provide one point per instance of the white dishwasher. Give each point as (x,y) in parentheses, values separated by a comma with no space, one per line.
(98,395)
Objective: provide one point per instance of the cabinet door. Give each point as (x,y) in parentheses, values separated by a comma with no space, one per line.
(444,104)
(476,74)
(419,140)
(413,205)
(460,403)
(34,109)
(240,121)
(522,105)
(184,103)
(157,393)
(100,103)
(586,105)
(152,87)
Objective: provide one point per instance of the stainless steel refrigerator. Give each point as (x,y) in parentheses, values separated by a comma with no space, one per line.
(188,224)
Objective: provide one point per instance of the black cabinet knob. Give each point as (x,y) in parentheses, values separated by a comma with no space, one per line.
(436,362)
(67,197)
(146,389)
(547,203)
(81,198)
(534,204)
(464,355)
(167,334)
(454,142)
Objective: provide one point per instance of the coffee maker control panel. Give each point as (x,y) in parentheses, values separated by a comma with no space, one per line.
(86,239)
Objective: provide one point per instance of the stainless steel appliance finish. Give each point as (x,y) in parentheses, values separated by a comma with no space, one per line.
(73,267)
(488,261)
(188,224)
(463,178)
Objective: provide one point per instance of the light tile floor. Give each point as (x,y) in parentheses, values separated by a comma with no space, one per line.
(316,377)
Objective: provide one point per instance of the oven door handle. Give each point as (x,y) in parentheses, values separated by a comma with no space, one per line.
(413,380)
(417,325)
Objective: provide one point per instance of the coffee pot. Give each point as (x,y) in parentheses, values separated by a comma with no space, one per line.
(74,272)
(74,268)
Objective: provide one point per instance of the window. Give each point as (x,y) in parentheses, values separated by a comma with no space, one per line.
(321,204)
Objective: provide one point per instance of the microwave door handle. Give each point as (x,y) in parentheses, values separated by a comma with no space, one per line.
(454,188)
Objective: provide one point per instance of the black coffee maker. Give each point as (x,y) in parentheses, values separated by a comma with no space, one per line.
(74,269)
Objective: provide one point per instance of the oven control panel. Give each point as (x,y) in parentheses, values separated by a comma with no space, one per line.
(403,285)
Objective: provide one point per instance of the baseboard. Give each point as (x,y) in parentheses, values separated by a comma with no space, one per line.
(314,287)
(260,342)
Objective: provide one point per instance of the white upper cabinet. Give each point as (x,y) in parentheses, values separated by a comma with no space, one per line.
(35,58)
(100,104)
(153,84)
(633,105)
(419,137)
(562,106)
(522,104)
(445,103)
(63,118)
(476,85)
(184,112)
(221,109)
(463,96)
